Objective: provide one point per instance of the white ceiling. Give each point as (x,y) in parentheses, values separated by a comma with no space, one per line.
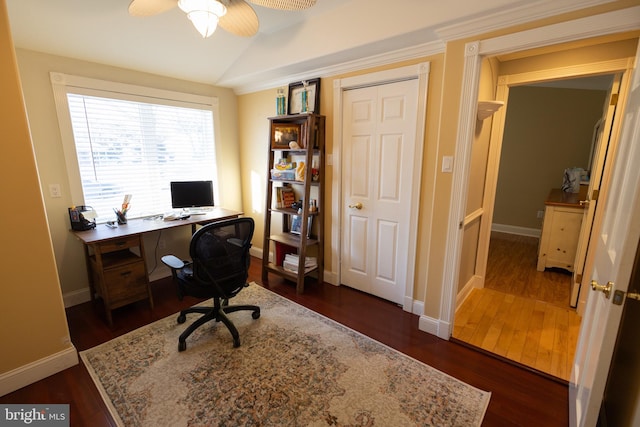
(289,45)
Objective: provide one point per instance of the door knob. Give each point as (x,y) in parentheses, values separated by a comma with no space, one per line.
(605,289)
(356,206)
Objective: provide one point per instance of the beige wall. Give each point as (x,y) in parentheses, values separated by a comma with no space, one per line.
(31,309)
(34,71)
(547,130)
(254,109)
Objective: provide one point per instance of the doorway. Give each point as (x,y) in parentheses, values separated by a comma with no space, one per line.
(548,128)
(544,318)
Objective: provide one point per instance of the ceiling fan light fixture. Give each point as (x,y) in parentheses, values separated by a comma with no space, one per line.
(204,14)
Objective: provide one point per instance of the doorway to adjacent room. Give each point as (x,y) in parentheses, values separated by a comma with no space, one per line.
(519,313)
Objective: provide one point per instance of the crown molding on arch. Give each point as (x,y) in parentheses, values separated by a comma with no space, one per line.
(392,57)
(529,12)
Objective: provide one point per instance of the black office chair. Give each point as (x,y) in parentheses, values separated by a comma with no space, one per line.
(218,269)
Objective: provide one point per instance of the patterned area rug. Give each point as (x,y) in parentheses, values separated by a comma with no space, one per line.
(294,368)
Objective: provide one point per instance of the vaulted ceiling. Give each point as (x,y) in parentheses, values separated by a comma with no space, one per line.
(331,36)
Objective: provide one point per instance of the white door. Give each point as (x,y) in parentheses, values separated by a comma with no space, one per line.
(614,255)
(603,144)
(379,145)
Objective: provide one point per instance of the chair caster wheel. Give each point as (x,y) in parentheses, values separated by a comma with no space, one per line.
(255,314)
(182,346)
(182,318)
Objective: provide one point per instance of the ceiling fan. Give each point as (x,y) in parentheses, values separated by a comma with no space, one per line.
(235,16)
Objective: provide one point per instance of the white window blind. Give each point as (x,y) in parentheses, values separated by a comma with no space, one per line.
(127,144)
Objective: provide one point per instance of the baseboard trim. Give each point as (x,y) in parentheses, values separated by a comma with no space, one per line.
(413,306)
(257,252)
(35,371)
(160,273)
(434,326)
(472,284)
(514,229)
(76,297)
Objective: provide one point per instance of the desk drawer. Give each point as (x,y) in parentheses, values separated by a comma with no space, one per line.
(119,244)
(126,284)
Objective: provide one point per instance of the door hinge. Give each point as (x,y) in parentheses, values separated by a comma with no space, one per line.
(614,99)
(594,194)
(578,278)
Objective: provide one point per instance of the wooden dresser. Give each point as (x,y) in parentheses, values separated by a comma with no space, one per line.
(560,229)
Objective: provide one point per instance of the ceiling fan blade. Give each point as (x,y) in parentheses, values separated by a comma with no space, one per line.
(240,18)
(150,7)
(285,4)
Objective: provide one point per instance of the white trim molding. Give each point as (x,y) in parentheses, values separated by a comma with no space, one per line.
(35,371)
(514,229)
(531,11)
(418,51)
(434,326)
(76,297)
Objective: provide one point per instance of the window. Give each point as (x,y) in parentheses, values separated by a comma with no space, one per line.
(122,139)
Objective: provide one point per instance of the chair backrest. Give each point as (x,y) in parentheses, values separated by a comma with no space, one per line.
(220,254)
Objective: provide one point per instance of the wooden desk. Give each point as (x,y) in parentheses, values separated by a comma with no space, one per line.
(115,257)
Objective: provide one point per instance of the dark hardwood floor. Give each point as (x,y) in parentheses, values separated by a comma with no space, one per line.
(519,397)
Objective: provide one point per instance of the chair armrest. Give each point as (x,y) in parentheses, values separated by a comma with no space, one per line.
(173,262)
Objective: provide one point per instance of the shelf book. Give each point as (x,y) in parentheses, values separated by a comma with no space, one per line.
(285,197)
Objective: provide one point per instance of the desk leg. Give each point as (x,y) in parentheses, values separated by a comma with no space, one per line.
(146,272)
(92,285)
(109,317)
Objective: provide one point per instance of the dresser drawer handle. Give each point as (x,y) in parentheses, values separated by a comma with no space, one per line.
(121,243)
(125,273)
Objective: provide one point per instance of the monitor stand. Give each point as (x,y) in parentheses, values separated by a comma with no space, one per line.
(196,211)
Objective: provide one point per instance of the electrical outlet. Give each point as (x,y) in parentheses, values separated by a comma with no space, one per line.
(540,214)
(54,190)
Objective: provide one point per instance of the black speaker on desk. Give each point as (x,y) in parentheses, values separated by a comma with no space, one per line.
(78,221)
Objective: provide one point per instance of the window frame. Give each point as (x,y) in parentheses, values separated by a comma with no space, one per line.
(63,84)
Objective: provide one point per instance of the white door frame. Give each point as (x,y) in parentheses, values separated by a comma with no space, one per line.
(420,72)
(475,52)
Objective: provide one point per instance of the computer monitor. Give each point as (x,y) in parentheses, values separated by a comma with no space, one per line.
(191,194)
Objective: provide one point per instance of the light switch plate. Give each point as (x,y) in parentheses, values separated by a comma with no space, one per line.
(447,164)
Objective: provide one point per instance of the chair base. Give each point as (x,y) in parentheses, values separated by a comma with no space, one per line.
(218,313)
